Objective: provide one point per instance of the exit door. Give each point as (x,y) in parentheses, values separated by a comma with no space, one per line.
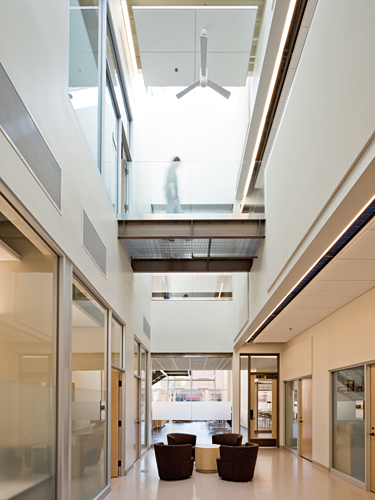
(263,410)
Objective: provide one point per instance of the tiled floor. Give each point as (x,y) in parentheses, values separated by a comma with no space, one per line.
(279,475)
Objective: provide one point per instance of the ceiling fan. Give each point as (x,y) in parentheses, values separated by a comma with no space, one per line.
(203,80)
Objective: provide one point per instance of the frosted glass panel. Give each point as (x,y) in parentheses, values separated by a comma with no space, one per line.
(89,396)
(117,347)
(28,302)
(291,414)
(348,423)
(244,395)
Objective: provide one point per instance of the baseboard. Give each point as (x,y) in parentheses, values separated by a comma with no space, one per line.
(129,469)
(321,466)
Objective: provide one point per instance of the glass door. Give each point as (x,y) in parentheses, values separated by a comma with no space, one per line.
(89,395)
(259,420)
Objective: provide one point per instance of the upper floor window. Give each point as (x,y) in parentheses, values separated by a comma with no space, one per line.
(97,90)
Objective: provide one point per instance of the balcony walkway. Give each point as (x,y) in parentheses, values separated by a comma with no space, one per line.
(191,242)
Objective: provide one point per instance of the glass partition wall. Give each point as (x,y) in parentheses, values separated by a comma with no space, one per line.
(28,339)
(89,395)
(348,422)
(291,414)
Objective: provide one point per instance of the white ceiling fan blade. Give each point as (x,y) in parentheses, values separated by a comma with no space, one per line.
(203,55)
(220,90)
(188,89)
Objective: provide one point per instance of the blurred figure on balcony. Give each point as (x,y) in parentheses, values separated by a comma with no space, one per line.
(171,189)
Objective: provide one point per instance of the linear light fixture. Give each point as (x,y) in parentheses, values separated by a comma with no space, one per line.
(269,96)
(7,254)
(315,263)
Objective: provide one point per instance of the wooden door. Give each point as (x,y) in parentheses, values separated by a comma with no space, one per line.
(306,418)
(114,423)
(372,424)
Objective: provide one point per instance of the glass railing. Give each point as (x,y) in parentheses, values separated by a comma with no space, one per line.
(178,187)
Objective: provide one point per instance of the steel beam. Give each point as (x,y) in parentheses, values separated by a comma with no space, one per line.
(191,229)
(196,265)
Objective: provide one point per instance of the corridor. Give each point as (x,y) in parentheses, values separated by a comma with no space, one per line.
(279,475)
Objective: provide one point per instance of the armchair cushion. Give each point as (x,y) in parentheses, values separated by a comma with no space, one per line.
(174,461)
(237,463)
(178,438)
(227,439)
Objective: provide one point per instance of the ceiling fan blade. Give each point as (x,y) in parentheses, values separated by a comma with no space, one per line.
(218,89)
(188,89)
(203,55)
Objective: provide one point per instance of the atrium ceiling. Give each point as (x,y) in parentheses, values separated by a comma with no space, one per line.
(153,3)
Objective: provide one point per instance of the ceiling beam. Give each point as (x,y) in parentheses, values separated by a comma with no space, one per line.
(196,265)
(191,229)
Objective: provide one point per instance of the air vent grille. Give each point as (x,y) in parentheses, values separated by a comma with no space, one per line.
(146,327)
(93,243)
(20,128)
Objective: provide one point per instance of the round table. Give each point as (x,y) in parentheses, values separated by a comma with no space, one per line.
(205,457)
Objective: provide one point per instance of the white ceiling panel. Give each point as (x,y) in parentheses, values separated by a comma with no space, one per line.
(339,288)
(225,69)
(169,38)
(173,363)
(182,363)
(272,339)
(308,312)
(161,69)
(157,27)
(321,301)
(228,29)
(350,270)
(286,330)
(362,248)
(303,321)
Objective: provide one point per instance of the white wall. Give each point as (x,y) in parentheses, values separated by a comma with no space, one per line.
(343,339)
(200,325)
(319,174)
(191,326)
(34,42)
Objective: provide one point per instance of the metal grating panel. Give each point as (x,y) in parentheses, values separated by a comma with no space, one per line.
(20,128)
(93,243)
(187,249)
(234,248)
(146,327)
(166,249)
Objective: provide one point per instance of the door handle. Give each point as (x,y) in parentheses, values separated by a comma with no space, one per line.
(301,421)
(372,434)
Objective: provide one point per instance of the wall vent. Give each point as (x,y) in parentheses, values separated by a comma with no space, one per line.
(146,327)
(93,243)
(18,125)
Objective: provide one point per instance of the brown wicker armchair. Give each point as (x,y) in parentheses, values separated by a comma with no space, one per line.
(181,438)
(237,463)
(174,462)
(227,439)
